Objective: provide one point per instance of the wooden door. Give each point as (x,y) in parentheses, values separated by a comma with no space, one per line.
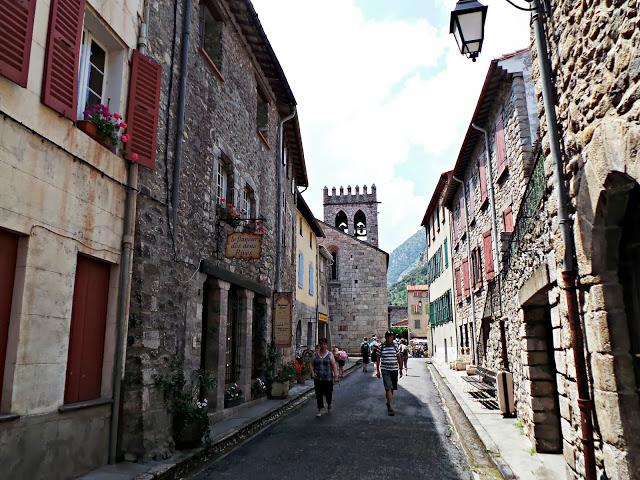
(8,254)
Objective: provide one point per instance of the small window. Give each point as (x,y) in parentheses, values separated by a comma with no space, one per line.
(300,224)
(417,323)
(93,71)
(249,202)
(300,270)
(262,116)
(222,182)
(310,239)
(334,266)
(211,35)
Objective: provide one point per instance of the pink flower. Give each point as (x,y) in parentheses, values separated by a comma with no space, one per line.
(124,138)
(229,206)
(117,116)
(122,125)
(134,157)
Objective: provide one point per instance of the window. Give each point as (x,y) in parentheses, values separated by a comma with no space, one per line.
(310,239)
(334,266)
(300,225)
(211,35)
(93,70)
(482,173)
(458,286)
(249,203)
(312,287)
(507,219)
(416,309)
(87,331)
(446,253)
(465,277)
(476,268)
(262,116)
(300,270)
(222,184)
(488,254)
(323,300)
(417,323)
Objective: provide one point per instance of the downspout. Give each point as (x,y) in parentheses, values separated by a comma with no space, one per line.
(124,280)
(494,235)
(182,92)
(453,287)
(279,203)
(473,300)
(569,268)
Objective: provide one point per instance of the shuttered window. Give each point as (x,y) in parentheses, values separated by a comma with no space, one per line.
(300,270)
(143,110)
(60,85)
(476,269)
(8,253)
(16,25)
(86,339)
(446,253)
(488,255)
(507,219)
(482,169)
(465,276)
(501,153)
(458,286)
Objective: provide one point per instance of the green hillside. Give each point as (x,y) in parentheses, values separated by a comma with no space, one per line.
(397,293)
(406,256)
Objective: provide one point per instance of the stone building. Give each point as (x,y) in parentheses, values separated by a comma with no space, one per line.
(396,313)
(358,285)
(418,312)
(437,225)
(595,58)
(482,196)
(62,210)
(307,274)
(215,236)
(324,275)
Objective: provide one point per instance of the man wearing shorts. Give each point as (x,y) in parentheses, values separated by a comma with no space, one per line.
(388,365)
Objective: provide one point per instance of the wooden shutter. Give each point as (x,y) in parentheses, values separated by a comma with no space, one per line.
(86,339)
(501,153)
(488,255)
(465,276)
(143,109)
(16,25)
(446,253)
(458,287)
(8,253)
(482,169)
(507,219)
(60,80)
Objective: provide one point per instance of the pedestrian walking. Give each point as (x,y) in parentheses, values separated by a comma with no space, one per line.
(389,365)
(404,352)
(342,360)
(364,353)
(324,373)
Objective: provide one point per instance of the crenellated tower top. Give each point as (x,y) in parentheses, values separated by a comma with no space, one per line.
(354,212)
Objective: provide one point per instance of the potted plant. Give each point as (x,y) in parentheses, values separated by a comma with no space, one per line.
(232,396)
(283,378)
(104,126)
(186,401)
(228,214)
(258,389)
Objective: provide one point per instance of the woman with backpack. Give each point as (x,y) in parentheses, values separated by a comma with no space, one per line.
(364,353)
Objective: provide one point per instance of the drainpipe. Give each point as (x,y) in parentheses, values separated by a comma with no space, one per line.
(182,92)
(279,203)
(494,235)
(569,268)
(473,300)
(124,280)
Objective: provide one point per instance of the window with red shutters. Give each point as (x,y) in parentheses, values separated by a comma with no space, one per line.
(465,276)
(8,253)
(143,110)
(501,151)
(488,255)
(16,25)
(476,269)
(507,219)
(482,169)
(60,82)
(458,286)
(86,339)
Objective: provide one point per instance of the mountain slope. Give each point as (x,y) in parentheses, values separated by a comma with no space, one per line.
(406,257)
(397,293)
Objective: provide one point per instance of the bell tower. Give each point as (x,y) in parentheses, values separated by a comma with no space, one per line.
(353,212)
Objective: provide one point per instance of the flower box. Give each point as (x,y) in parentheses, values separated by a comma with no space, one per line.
(233,402)
(279,390)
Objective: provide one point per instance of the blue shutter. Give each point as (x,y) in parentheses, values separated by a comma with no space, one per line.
(300,270)
(311,283)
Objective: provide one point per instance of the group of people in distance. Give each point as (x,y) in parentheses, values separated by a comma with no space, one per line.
(390,357)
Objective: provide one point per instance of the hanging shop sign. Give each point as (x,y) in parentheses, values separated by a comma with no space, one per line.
(323,317)
(282,317)
(243,246)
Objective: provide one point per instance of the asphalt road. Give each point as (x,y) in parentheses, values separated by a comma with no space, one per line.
(357,440)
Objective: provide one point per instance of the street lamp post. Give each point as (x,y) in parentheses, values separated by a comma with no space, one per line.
(467,26)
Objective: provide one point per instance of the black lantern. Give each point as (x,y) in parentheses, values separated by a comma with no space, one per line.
(467,26)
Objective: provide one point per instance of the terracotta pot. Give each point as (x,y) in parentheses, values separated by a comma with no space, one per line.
(87,127)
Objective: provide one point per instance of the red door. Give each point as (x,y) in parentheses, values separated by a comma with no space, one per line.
(8,253)
(88,321)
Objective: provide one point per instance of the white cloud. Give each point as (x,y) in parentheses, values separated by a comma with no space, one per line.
(369,91)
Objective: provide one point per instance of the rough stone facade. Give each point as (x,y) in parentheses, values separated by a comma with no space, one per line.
(360,212)
(397,313)
(358,291)
(595,56)
(185,292)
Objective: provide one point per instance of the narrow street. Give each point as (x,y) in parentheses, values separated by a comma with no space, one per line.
(357,440)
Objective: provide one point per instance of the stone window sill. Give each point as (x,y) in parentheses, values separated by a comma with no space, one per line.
(212,64)
(8,417)
(70,407)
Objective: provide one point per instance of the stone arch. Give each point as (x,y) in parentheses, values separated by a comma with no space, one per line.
(333,250)
(342,222)
(360,225)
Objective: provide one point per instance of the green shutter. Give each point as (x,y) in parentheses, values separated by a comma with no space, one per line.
(446,254)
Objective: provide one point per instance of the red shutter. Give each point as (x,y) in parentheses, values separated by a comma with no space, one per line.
(16,25)
(60,81)
(8,253)
(501,154)
(482,167)
(465,276)
(488,255)
(86,339)
(507,220)
(458,286)
(143,110)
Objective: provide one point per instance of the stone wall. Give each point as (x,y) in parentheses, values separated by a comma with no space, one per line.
(350,202)
(358,298)
(397,313)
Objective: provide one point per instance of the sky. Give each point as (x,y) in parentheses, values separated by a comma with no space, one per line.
(384,96)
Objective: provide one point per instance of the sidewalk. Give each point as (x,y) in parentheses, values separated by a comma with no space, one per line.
(509,448)
(226,434)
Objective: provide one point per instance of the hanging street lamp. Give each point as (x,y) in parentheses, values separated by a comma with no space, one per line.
(467,26)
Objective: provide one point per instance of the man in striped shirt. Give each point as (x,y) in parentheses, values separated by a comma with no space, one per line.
(388,364)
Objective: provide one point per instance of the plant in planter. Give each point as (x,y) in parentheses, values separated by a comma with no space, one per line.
(254,226)
(104,126)
(186,400)
(258,389)
(232,396)
(228,214)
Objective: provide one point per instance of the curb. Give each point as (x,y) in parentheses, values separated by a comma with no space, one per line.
(496,465)
(227,442)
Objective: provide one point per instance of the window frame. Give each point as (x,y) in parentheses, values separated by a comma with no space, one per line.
(215,64)
(84,71)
